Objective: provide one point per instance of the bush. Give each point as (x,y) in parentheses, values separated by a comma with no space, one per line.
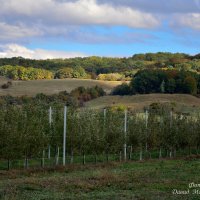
(67,72)
(6,85)
(72,102)
(123,89)
(85,94)
(64,73)
(190,85)
(111,77)
(119,107)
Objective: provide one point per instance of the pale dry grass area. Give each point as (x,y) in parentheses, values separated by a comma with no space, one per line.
(140,101)
(137,102)
(3,80)
(31,88)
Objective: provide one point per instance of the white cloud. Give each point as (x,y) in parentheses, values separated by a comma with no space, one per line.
(15,50)
(12,32)
(191,20)
(81,12)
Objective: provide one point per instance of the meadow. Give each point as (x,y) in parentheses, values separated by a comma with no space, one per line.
(180,102)
(48,87)
(150,179)
(171,161)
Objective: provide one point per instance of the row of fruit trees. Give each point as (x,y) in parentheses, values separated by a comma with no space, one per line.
(39,131)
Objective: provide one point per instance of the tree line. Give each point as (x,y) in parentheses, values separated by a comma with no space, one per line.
(75,99)
(161,81)
(22,73)
(103,65)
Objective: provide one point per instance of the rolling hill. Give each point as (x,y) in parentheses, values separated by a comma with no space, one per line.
(182,102)
(31,88)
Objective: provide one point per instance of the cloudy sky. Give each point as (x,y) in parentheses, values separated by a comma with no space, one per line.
(43,29)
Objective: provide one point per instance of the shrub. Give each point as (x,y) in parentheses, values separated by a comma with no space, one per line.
(111,77)
(85,94)
(6,85)
(190,85)
(64,73)
(123,89)
(68,72)
(119,107)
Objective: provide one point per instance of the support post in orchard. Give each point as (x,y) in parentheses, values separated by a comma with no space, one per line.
(104,122)
(171,116)
(125,134)
(146,125)
(43,159)
(64,135)
(50,122)
(104,128)
(104,115)
(57,155)
(161,129)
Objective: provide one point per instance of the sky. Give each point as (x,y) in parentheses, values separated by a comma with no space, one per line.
(41,29)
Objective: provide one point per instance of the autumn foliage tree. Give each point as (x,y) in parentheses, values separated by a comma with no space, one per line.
(22,73)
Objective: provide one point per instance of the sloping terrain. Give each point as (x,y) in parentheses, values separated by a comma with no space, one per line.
(31,88)
(181,101)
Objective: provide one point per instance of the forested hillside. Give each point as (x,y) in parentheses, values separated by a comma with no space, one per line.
(148,73)
(104,65)
(161,81)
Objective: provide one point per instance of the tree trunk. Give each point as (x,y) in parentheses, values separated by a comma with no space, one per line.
(72,157)
(160,153)
(57,155)
(83,158)
(131,151)
(107,157)
(43,159)
(8,164)
(141,155)
(120,156)
(95,158)
(175,152)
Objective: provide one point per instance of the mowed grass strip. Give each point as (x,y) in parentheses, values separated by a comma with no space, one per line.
(132,180)
(31,88)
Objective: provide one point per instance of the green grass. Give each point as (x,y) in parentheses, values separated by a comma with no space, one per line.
(131,180)
(35,163)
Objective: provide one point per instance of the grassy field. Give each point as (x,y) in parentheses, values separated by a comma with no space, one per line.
(31,88)
(132,180)
(182,102)
(3,80)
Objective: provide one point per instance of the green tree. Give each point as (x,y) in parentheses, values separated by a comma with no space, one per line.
(190,85)
(162,87)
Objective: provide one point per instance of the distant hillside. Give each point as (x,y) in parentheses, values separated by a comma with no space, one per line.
(102,65)
(181,102)
(31,88)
